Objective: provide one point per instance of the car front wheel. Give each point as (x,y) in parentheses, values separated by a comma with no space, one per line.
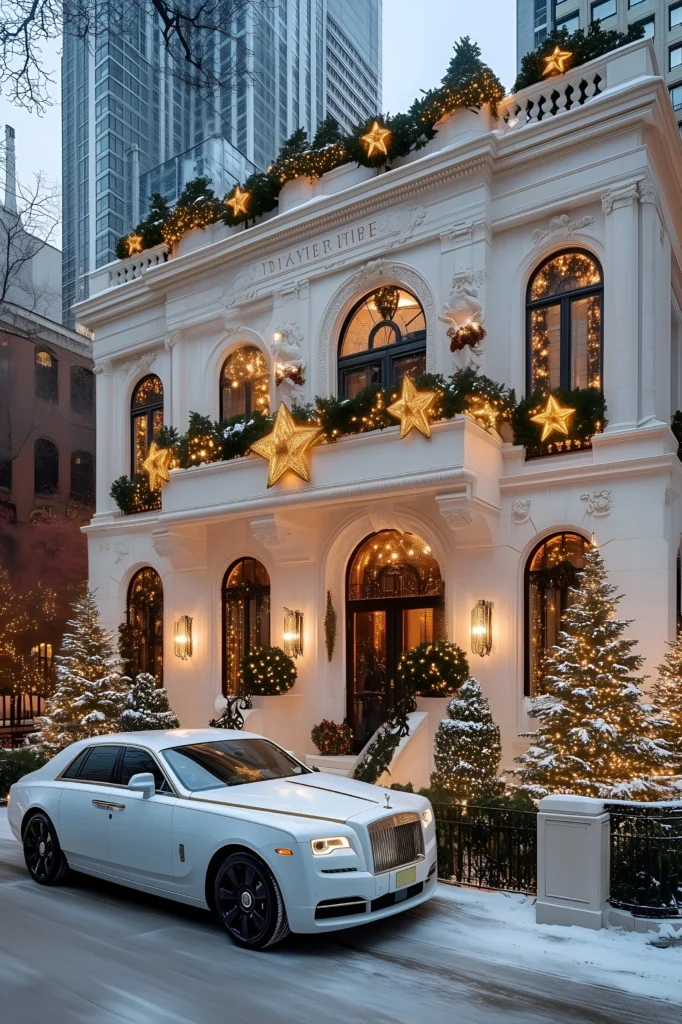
(249,902)
(42,852)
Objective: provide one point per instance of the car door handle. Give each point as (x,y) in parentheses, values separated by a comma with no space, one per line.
(116,807)
(107,805)
(102,804)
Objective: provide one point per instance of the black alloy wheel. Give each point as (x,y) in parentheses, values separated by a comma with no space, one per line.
(42,852)
(249,902)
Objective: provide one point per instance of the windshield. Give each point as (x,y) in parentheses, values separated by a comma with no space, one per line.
(230,763)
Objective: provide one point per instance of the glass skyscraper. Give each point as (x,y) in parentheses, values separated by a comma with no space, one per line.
(130,127)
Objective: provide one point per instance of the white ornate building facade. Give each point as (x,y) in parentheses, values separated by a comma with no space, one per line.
(561,232)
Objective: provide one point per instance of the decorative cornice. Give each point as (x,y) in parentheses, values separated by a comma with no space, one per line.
(133,366)
(617,198)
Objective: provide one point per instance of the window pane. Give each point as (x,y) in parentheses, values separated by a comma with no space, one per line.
(603,9)
(99,766)
(356,380)
(565,273)
(649,26)
(417,627)
(145,624)
(675,57)
(389,305)
(46,381)
(571,22)
(412,365)
(140,442)
(676,96)
(545,327)
(45,466)
(135,761)
(75,766)
(676,15)
(246,598)
(244,384)
(82,390)
(231,763)
(148,392)
(586,342)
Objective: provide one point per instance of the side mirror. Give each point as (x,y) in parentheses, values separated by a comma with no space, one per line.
(144,783)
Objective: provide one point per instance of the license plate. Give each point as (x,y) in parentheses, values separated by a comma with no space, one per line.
(406,877)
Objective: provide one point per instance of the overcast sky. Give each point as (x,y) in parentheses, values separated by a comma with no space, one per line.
(418,40)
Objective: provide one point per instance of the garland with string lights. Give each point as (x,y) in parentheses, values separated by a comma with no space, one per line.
(573,49)
(561,420)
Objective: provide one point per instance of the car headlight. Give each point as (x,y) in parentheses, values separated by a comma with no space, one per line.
(323,847)
(427,817)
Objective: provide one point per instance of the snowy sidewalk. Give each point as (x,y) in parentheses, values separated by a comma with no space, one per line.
(5,831)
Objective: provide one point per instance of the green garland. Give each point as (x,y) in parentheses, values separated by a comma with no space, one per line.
(583,46)
(267,672)
(468,84)
(433,669)
(332,739)
(589,419)
(379,755)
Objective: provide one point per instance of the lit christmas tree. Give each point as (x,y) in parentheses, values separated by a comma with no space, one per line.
(468,750)
(147,707)
(596,737)
(666,694)
(90,691)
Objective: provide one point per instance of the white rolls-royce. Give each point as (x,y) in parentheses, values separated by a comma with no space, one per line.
(229,821)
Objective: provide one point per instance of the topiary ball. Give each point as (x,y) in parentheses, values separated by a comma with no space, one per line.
(435,669)
(267,672)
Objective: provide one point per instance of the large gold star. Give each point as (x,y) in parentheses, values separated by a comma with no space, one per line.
(287,446)
(134,244)
(412,408)
(239,201)
(157,464)
(377,139)
(556,61)
(555,417)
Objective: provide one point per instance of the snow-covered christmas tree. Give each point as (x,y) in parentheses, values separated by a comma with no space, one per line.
(147,707)
(467,749)
(666,694)
(90,691)
(596,737)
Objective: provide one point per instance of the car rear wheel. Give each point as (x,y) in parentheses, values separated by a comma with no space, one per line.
(249,902)
(43,854)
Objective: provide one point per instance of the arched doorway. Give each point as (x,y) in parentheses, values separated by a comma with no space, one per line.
(394,601)
(145,623)
(246,617)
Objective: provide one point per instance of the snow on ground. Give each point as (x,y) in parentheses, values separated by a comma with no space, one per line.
(501,927)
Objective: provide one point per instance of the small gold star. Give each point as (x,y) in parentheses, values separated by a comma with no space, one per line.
(287,446)
(412,408)
(239,201)
(556,61)
(134,244)
(377,139)
(156,464)
(555,417)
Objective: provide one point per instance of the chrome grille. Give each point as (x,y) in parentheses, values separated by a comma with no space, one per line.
(396,840)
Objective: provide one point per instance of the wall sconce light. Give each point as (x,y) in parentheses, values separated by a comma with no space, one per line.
(293,633)
(482,628)
(182,637)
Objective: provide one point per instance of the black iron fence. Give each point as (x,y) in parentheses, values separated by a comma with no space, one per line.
(646,859)
(488,847)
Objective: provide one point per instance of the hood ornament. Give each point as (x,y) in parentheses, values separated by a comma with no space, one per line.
(388,801)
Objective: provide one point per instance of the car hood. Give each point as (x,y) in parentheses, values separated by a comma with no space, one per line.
(327,797)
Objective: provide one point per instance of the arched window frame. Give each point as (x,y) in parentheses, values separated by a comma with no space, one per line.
(87,492)
(259,594)
(45,466)
(149,414)
(46,377)
(81,390)
(145,621)
(250,396)
(384,357)
(527,582)
(564,300)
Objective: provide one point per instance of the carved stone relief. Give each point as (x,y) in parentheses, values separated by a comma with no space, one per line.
(561,227)
(598,503)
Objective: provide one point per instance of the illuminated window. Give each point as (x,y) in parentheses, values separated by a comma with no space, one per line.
(551,571)
(244,384)
(42,653)
(45,466)
(383,338)
(144,637)
(146,414)
(565,323)
(246,617)
(46,376)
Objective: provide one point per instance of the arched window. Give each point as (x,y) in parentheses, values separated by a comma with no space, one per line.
(564,305)
(45,466)
(394,602)
(82,390)
(244,384)
(145,623)
(146,415)
(46,375)
(383,338)
(82,476)
(551,570)
(246,617)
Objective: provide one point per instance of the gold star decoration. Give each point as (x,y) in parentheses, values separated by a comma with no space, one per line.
(555,417)
(412,408)
(239,201)
(287,446)
(377,139)
(555,63)
(134,244)
(157,464)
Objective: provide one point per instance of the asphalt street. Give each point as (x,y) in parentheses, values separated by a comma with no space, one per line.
(94,953)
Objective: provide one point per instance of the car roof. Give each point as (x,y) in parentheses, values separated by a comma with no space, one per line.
(160,739)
